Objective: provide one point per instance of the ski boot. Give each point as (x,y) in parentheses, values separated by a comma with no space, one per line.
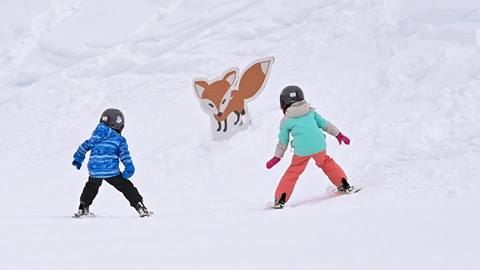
(82,210)
(345,187)
(142,210)
(279,203)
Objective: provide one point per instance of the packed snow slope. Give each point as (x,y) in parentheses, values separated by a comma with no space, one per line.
(400,78)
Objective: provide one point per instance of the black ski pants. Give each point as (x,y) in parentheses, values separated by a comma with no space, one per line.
(121,184)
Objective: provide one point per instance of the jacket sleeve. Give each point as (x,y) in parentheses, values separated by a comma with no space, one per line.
(283,139)
(82,150)
(86,146)
(125,154)
(326,125)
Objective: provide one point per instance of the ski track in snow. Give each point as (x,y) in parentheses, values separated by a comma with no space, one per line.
(400,78)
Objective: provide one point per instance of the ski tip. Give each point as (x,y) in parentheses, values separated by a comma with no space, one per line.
(332,189)
(269,205)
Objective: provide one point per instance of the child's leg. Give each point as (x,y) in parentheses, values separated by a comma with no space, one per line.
(287,183)
(90,190)
(330,168)
(127,188)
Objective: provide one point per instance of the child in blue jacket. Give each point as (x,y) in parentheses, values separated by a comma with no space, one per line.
(107,147)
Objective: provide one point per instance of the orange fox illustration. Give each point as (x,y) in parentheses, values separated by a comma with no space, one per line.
(222,97)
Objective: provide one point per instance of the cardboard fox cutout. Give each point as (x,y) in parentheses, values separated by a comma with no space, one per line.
(225,97)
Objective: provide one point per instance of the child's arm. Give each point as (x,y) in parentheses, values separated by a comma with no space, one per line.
(326,125)
(331,129)
(79,155)
(126,160)
(283,139)
(86,146)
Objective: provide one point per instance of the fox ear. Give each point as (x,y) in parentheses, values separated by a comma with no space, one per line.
(200,87)
(230,77)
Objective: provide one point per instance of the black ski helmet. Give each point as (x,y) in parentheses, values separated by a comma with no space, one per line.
(290,95)
(114,119)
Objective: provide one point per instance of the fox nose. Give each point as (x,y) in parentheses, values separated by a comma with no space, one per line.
(220,114)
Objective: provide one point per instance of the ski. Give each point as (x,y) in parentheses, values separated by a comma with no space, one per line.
(272,205)
(147,214)
(88,215)
(334,190)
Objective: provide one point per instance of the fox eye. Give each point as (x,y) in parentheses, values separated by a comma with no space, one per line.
(210,104)
(223,102)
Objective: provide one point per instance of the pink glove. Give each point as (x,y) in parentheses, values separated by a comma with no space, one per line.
(342,138)
(272,162)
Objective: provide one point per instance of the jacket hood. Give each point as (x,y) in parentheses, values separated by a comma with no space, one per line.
(102,132)
(298,109)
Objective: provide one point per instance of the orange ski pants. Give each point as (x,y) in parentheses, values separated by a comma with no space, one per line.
(323,161)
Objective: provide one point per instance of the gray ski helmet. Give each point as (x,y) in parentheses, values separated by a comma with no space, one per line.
(290,95)
(114,119)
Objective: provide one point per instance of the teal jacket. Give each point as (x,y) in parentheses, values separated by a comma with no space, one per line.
(306,127)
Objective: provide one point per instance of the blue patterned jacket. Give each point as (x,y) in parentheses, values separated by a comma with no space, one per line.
(107,148)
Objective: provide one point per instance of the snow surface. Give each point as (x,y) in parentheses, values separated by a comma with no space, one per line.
(400,78)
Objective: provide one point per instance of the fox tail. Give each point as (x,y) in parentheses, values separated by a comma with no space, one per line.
(254,77)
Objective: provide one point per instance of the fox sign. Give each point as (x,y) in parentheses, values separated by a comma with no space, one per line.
(225,98)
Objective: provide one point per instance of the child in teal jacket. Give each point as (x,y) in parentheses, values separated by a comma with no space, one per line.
(306,127)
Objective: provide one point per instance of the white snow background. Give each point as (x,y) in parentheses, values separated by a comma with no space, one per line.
(400,78)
